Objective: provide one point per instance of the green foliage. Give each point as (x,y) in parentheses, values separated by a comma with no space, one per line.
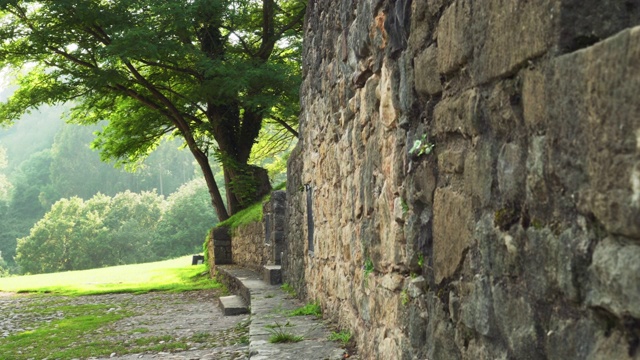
(279,334)
(251,214)
(244,184)
(176,275)
(68,332)
(505,217)
(421,147)
(5,184)
(343,337)
(210,71)
(76,169)
(405,207)
(404,297)
(368,267)
(4,268)
(205,247)
(70,168)
(102,231)
(309,309)
(123,229)
(289,289)
(33,133)
(420,260)
(31,180)
(186,218)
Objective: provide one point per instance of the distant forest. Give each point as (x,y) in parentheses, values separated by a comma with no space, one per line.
(44,160)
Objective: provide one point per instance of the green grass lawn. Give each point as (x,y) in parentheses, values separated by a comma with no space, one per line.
(85,330)
(169,275)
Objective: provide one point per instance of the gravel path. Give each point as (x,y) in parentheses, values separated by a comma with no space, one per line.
(191,317)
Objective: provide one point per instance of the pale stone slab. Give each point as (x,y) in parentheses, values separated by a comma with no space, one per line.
(451,231)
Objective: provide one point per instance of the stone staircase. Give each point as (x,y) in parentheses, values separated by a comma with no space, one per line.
(239,304)
(271,308)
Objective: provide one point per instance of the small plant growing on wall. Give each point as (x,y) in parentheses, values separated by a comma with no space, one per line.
(343,337)
(368,269)
(405,207)
(421,147)
(404,297)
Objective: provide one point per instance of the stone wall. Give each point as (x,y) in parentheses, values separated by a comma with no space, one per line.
(248,246)
(517,235)
(254,244)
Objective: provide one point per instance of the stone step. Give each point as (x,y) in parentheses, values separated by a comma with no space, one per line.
(272,274)
(233,305)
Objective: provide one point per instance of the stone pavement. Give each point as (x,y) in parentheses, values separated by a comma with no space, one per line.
(270,312)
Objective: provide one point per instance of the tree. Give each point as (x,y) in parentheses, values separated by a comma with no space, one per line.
(48,246)
(129,227)
(101,231)
(184,222)
(209,71)
(32,194)
(76,169)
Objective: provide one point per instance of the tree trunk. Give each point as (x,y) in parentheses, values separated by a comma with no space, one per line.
(214,192)
(212,186)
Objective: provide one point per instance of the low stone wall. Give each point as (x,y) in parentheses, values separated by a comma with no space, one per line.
(210,254)
(467,180)
(251,245)
(248,246)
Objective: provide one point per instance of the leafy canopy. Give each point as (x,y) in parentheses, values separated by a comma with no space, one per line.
(209,71)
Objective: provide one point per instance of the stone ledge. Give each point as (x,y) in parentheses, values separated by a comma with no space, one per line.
(272,274)
(232,305)
(270,307)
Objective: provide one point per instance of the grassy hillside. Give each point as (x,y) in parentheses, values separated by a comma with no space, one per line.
(169,275)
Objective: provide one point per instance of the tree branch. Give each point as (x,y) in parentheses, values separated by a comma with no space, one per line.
(285,125)
(193,73)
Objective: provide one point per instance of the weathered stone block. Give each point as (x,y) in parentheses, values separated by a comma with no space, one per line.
(604,146)
(516,320)
(221,243)
(511,32)
(426,73)
(477,309)
(511,173)
(419,24)
(536,188)
(451,161)
(570,339)
(392,282)
(453,218)
(615,278)
(388,113)
(458,114)
(585,22)
(272,274)
(454,32)
(422,184)
(551,139)
(478,172)
(534,102)
(613,106)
